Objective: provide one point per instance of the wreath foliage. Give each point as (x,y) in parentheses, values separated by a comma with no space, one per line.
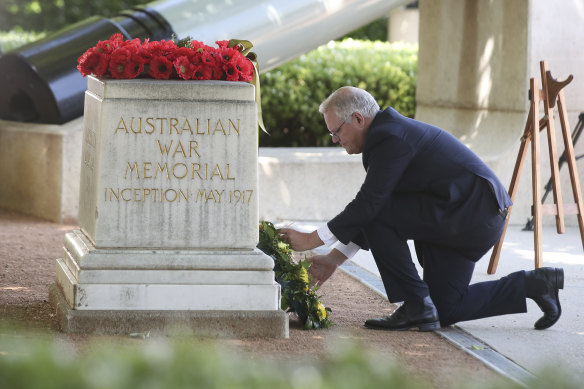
(297,293)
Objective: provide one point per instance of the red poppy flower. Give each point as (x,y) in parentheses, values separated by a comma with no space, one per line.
(231,71)
(134,45)
(181,52)
(160,68)
(245,68)
(93,61)
(226,54)
(151,49)
(105,47)
(114,42)
(136,61)
(158,48)
(168,48)
(123,64)
(200,46)
(119,58)
(184,68)
(203,72)
(117,37)
(207,57)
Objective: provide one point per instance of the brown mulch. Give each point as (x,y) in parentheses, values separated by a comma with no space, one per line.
(29,247)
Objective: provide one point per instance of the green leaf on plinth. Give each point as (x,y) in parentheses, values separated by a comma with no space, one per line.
(297,293)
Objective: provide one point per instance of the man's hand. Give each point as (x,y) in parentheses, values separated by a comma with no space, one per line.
(322,267)
(300,241)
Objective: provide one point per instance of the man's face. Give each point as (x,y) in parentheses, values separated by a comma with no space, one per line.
(347,133)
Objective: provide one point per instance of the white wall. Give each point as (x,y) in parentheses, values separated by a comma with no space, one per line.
(475,61)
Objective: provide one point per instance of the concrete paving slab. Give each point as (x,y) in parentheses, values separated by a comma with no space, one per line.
(560,347)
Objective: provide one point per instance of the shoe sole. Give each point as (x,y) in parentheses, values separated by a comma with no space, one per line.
(423,327)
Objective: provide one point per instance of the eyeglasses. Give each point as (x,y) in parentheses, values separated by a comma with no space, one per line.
(335,134)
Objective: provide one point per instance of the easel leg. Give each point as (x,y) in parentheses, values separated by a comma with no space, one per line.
(552,89)
(571,160)
(494,262)
(558,206)
(525,139)
(536,175)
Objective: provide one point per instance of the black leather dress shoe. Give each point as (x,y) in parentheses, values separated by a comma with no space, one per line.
(412,314)
(542,286)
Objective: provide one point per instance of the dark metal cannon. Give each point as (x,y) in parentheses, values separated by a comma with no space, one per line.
(40,83)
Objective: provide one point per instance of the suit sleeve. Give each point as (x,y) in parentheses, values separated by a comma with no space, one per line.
(388,157)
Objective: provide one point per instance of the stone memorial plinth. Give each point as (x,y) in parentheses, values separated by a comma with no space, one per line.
(168,212)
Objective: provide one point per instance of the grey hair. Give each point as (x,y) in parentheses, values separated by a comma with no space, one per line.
(348,99)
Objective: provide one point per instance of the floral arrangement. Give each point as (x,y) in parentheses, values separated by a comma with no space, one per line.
(186,59)
(297,293)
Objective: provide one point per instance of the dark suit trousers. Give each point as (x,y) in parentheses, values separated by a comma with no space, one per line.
(449,235)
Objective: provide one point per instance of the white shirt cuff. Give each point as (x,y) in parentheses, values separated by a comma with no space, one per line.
(326,235)
(348,250)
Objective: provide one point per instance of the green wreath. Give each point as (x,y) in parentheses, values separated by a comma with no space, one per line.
(297,293)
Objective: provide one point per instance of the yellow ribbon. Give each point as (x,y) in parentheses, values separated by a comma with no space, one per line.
(244,47)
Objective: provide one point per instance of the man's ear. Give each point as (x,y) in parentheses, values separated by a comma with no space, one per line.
(360,118)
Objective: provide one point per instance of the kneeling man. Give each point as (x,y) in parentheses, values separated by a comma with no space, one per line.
(422,184)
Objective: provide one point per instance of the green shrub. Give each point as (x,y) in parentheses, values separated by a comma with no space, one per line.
(30,362)
(17,37)
(187,364)
(292,93)
(374,31)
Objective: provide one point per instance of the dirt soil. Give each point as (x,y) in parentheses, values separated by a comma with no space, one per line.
(29,247)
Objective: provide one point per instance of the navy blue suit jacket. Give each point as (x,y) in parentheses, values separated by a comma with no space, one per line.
(407,157)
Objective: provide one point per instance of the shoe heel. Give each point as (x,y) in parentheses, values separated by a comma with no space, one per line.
(429,326)
(560,278)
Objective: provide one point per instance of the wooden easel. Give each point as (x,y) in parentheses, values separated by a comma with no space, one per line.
(550,93)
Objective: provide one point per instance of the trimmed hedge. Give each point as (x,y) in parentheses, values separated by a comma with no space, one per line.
(292,93)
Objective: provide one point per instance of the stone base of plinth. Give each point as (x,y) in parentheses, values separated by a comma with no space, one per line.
(224,324)
(209,292)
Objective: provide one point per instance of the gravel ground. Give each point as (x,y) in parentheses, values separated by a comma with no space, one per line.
(29,247)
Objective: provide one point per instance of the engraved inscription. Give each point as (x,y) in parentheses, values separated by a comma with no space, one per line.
(177,156)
